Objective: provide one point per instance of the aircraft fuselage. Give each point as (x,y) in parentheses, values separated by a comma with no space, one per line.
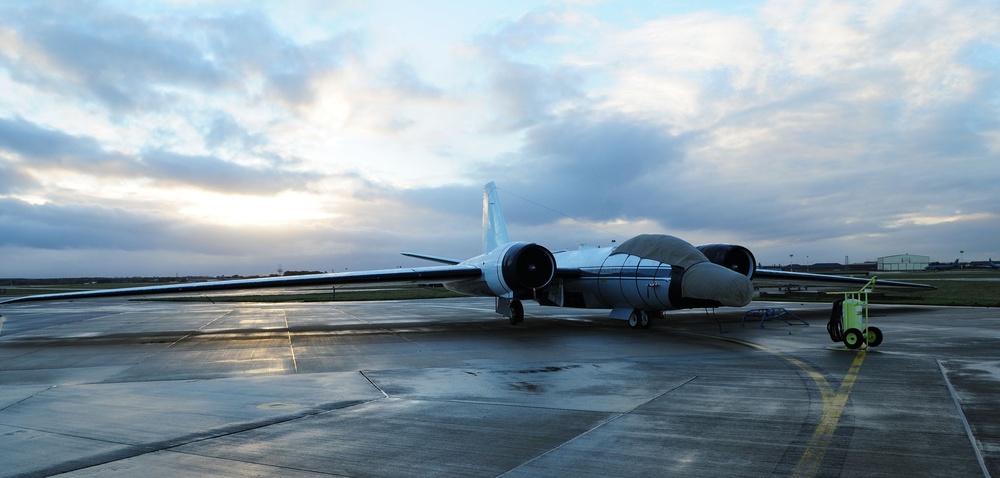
(612,281)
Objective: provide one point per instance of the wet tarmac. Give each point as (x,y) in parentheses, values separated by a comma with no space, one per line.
(447,388)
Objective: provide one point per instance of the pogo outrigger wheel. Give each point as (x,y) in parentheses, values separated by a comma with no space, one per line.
(849,319)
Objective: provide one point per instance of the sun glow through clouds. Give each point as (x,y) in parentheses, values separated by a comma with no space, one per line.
(924,220)
(256,211)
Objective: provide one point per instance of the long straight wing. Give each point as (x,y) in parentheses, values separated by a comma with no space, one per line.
(419,275)
(773,277)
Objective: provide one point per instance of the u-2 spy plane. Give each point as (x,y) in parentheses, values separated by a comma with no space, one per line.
(638,280)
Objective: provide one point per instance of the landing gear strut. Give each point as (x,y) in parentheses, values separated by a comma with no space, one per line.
(510,308)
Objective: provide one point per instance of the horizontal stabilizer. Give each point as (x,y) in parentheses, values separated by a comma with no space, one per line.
(443,260)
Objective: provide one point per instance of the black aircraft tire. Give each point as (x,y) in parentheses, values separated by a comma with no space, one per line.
(853,338)
(516,312)
(633,319)
(645,321)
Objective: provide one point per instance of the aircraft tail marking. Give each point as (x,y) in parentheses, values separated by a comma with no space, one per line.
(494,224)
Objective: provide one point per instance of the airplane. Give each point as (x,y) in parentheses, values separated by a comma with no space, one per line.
(989,264)
(943,267)
(638,279)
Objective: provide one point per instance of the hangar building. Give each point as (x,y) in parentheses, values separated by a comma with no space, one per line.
(903,262)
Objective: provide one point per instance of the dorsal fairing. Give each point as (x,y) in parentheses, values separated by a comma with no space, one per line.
(678,252)
(662,248)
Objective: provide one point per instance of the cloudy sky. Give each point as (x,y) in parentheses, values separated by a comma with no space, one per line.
(210,138)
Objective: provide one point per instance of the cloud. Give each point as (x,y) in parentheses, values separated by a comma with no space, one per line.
(13,180)
(132,64)
(584,148)
(214,174)
(404,78)
(529,30)
(43,149)
(53,226)
(814,128)
(27,139)
(248,43)
(46,148)
(224,130)
(523,90)
(525,95)
(825,113)
(587,165)
(120,59)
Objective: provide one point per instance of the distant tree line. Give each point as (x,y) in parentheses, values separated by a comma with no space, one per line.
(301,273)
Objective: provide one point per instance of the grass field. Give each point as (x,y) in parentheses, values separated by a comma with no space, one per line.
(975,288)
(971,288)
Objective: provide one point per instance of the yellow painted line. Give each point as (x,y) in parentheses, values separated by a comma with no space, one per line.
(833,404)
(833,407)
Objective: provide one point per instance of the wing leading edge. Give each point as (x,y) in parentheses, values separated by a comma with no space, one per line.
(413,276)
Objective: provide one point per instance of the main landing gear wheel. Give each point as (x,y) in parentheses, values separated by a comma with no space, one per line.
(873,336)
(853,338)
(639,319)
(516,312)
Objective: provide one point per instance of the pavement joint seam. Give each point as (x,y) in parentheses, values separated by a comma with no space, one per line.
(965,422)
(598,426)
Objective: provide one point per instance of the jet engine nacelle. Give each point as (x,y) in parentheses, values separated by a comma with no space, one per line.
(730,256)
(511,271)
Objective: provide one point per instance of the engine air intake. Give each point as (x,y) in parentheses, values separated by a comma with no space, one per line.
(732,257)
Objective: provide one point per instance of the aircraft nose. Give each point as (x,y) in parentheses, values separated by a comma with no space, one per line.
(709,281)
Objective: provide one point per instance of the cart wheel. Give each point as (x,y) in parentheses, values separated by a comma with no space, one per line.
(853,338)
(873,336)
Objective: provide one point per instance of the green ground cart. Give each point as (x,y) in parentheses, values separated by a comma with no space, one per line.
(849,319)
